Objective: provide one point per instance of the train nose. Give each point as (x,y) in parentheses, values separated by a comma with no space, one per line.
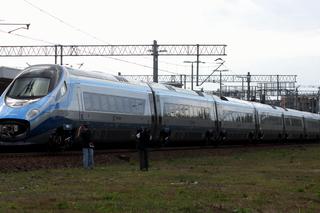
(13,130)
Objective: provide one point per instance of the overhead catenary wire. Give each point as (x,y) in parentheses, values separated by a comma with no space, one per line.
(64,22)
(113,58)
(94,37)
(27,37)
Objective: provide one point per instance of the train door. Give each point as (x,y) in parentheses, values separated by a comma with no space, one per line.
(258,131)
(154,111)
(217,122)
(304,123)
(80,104)
(284,135)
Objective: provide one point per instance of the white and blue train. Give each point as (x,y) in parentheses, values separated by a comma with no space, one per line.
(45,104)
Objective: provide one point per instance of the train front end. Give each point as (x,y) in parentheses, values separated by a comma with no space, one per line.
(26,104)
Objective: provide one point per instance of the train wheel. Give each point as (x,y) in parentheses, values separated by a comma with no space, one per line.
(208,141)
(58,143)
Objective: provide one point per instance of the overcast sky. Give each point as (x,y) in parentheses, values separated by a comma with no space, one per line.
(263,36)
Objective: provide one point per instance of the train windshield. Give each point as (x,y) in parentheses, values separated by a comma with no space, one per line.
(29,88)
(35,82)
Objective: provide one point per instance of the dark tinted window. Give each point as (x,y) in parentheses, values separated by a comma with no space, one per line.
(29,87)
(35,82)
(186,111)
(111,103)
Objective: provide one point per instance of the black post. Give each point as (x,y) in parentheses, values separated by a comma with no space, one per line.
(242,89)
(296,99)
(61,54)
(220,84)
(278,88)
(155,54)
(318,94)
(191,76)
(248,81)
(55,54)
(197,65)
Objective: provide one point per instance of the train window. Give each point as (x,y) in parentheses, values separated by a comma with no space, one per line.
(296,122)
(207,113)
(248,118)
(266,119)
(313,124)
(62,91)
(110,103)
(287,121)
(167,110)
(104,103)
(95,102)
(186,111)
(126,105)
(29,87)
(87,101)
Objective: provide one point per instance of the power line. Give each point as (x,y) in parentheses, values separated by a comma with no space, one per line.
(90,35)
(142,65)
(64,22)
(26,37)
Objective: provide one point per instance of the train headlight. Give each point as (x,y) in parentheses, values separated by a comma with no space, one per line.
(67,126)
(32,113)
(9,129)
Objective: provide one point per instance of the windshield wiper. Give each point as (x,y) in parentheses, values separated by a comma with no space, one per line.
(25,89)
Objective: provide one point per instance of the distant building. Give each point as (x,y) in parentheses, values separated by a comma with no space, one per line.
(7,74)
(303,102)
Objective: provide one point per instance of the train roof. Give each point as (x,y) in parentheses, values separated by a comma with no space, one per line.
(232,101)
(161,88)
(297,113)
(176,91)
(267,108)
(99,75)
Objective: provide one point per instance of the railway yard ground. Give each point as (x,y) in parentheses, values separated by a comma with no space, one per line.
(234,179)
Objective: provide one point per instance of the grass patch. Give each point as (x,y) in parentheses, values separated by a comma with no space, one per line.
(265,180)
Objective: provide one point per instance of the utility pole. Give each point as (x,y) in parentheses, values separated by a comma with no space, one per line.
(278,89)
(155,54)
(318,101)
(191,62)
(296,98)
(198,65)
(242,85)
(248,81)
(220,90)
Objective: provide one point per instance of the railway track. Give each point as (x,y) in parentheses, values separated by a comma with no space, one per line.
(28,161)
(114,151)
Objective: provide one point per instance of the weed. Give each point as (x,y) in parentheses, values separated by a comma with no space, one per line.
(242,210)
(63,205)
(318,194)
(110,196)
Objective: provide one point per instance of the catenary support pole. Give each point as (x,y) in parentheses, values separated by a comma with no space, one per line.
(155,54)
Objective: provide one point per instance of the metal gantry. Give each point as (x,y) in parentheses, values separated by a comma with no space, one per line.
(154,50)
(112,50)
(216,78)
